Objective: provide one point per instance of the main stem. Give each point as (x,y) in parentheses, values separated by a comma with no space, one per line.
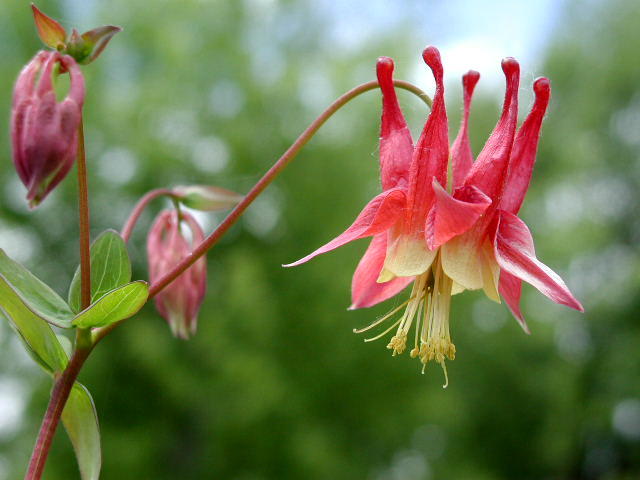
(64,381)
(83,215)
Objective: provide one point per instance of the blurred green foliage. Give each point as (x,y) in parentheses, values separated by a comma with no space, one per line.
(275,385)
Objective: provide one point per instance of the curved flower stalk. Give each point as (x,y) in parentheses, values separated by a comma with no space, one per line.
(44,132)
(439,239)
(179,302)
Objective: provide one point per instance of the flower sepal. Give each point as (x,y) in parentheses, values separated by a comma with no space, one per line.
(206,198)
(84,48)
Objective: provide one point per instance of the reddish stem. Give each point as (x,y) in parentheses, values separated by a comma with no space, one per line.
(63,384)
(83,215)
(266,179)
(130,224)
(59,396)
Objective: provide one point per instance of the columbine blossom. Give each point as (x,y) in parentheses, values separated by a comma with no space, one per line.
(446,241)
(44,132)
(167,245)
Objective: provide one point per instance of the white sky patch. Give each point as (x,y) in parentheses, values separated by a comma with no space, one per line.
(13,397)
(118,166)
(210,154)
(626,418)
(18,242)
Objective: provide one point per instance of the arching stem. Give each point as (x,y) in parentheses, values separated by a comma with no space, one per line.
(129,225)
(257,189)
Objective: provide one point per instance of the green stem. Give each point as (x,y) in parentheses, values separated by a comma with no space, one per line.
(267,178)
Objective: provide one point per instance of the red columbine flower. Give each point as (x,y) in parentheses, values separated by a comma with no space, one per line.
(44,132)
(497,254)
(415,215)
(167,245)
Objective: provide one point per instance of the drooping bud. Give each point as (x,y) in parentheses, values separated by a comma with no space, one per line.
(206,198)
(167,245)
(44,131)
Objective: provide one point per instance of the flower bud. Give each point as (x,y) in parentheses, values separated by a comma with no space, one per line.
(167,245)
(206,198)
(44,131)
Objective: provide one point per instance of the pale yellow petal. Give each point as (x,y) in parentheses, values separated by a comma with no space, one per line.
(490,273)
(457,288)
(408,256)
(461,261)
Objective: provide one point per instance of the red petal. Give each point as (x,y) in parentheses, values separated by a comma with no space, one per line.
(432,151)
(511,289)
(524,151)
(515,254)
(396,144)
(378,216)
(490,168)
(461,154)
(453,215)
(365,290)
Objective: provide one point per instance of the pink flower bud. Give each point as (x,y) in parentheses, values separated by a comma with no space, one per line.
(167,245)
(44,131)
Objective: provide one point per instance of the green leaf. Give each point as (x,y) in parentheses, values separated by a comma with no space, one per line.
(32,293)
(97,39)
(81,422)
(110,268)
(36,334)
(114,306)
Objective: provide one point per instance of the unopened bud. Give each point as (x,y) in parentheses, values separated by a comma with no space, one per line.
(167,245)
(44,131)
(206,198)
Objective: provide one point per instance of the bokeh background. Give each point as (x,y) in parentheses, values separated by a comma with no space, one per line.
(275,385)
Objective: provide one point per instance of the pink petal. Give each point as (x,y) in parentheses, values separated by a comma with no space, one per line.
(431,153)
(525,146)
(515,254)
(490,168)
(77,88)
(378,216)
(453,215)
(461,154)
(511,289)
(396,144)
(365,290)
